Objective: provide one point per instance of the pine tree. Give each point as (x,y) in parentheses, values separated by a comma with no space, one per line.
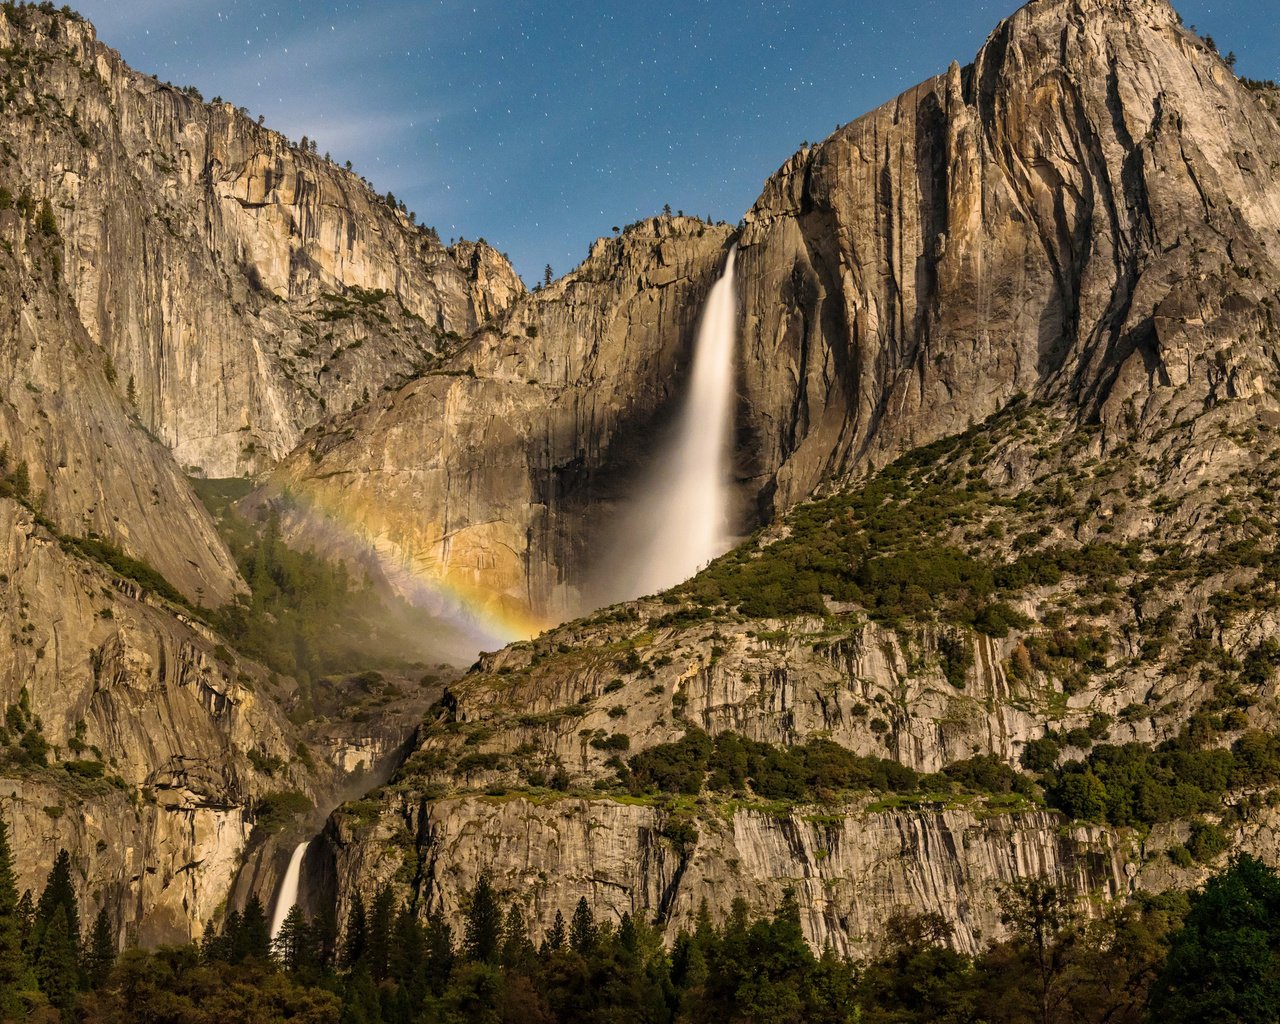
(582,929)
(231,937)
(628,939)
(484,924)
(517,948)
(292,945)
(548,275)
(213,947)
(325,935)
(253,941)
(356,947)
(59,901)
(27,919)
(100,955)
(15,973)
(47,223)
(408,948)
(57,962)
(440,955)
(131,393)
(555,936)
(21,480)
(381,921)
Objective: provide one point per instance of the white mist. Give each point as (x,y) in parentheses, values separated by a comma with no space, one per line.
(288,895)
(682,517)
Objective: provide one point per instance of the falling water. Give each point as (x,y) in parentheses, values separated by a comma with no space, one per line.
(288,894)
(686,504)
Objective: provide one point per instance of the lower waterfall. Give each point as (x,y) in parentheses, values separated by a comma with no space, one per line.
(288,894)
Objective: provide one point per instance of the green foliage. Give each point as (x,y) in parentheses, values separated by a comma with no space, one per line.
(955,650)
(1136,785)
(1040,755)
(55,940)
(46,222)
(278,810)
(102,550)
(1224,964)
(17,981)
(1207,841)
(818,770)
(100,954)
(484,924)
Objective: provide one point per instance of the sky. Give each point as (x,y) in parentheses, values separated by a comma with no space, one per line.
(539,126)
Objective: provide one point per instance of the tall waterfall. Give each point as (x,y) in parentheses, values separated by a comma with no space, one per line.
(686,505)
(288,894)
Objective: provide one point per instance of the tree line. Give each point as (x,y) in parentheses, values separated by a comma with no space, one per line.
(1211,955)
(46,965)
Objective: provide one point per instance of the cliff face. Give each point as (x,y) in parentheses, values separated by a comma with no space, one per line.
(246,287)
(1088,212)
(161,741)
(91,466)
(1088,216)
(850,869)
(478,485)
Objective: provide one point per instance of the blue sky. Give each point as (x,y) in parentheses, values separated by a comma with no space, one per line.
(540,125)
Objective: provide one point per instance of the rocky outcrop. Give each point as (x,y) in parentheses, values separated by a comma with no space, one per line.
(1087,213)
(247,286)
(851,869)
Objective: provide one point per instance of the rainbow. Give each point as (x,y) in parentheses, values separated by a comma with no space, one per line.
(490,618)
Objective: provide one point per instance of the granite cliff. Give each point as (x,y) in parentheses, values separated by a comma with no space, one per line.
(1087,213)
(1017,328)
(1007,427)
(245,284)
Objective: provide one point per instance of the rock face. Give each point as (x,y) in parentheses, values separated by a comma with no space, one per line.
(244,284)
(850,870)
(1086,214)
(480,481)
(91,466)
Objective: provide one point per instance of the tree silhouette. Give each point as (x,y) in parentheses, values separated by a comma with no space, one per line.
(15,974)
(100,954)
(484,924)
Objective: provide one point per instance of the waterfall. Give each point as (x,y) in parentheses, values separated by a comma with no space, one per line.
(288,894)
(683,515)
